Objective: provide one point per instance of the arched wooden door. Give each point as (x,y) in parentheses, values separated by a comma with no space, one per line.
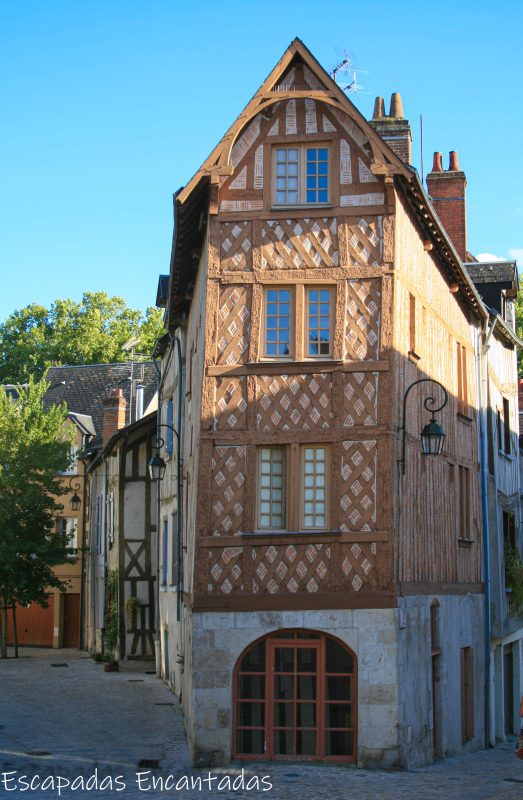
(295,697)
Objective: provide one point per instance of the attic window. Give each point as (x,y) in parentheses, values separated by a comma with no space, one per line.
(300,175)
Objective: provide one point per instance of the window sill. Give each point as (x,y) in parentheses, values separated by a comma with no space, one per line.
(298,206)
(305,362)
(467,543)
(464,418)
(258,534)
(163,588)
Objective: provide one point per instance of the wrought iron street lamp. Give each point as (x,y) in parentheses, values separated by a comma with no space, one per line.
(76,500)
(156,464)
(432,435)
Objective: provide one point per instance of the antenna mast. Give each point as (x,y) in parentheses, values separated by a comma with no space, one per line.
(348,70)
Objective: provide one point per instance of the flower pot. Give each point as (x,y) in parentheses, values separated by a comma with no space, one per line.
(111,666)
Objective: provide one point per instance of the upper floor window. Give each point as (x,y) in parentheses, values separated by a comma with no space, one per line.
(298,322)
(506,426)
(305,467)
(278,309)
(319,337)
(72,466)
(314,502)
(272,490)
(300,175)
(66,527)
(461,359)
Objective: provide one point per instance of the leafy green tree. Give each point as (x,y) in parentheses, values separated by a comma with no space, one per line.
(92,331)
(34,447)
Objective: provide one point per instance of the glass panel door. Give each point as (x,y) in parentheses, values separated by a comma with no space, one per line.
(294,702)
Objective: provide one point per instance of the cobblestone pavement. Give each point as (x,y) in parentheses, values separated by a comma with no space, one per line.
(77,721)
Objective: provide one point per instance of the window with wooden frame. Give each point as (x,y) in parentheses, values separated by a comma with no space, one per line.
(464,502)
(67,529)
(314,462)
(295,697)
(301,175)
(278,327)
(413,332)
(319,327)
(165,551)
(298,322)
(509,529)
(461,360)
(467,694)
(293,491)
(272,490)
(506,427)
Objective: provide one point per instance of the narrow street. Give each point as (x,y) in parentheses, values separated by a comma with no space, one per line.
(111,734)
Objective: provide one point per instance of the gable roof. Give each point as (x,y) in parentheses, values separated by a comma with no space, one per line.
(270,92)
(191,202)
(84,388)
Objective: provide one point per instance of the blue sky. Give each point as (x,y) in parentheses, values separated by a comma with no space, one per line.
(109,106)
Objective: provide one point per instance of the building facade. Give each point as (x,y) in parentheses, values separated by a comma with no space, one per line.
(324,593)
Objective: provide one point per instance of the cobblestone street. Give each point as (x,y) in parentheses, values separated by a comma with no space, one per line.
(61,715)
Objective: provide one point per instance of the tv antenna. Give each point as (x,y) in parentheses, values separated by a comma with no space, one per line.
(344,74)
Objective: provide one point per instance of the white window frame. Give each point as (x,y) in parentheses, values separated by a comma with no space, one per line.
(292,322)
(302,174)
(68,527)
(332,301)
(304,488)
(261,489)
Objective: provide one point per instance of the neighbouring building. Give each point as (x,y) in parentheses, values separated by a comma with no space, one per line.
(122,535)
(120,541)
(83,389)
(323,581)
(58,625)
(498,285)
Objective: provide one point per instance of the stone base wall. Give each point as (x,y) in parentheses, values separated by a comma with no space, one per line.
(393,650)
(218,639)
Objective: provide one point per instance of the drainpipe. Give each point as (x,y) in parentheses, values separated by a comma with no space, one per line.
(483,411)
(82,568)
(179,510)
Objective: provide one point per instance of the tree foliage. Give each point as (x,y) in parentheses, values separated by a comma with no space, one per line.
(34,447)
(92,331)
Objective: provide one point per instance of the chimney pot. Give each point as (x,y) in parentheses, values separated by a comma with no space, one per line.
(447,192)
(114,408)
(437,164)
(379,108)
(396,106)
(453,161)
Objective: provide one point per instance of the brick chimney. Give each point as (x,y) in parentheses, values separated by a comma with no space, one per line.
(114,409)
(447,192)
(394,129)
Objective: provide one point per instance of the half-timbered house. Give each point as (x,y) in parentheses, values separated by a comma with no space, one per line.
(323,592)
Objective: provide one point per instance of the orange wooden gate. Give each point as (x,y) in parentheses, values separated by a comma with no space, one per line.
(34,624)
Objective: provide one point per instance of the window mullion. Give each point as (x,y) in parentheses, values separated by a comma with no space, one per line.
(294,494)
(299,322)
